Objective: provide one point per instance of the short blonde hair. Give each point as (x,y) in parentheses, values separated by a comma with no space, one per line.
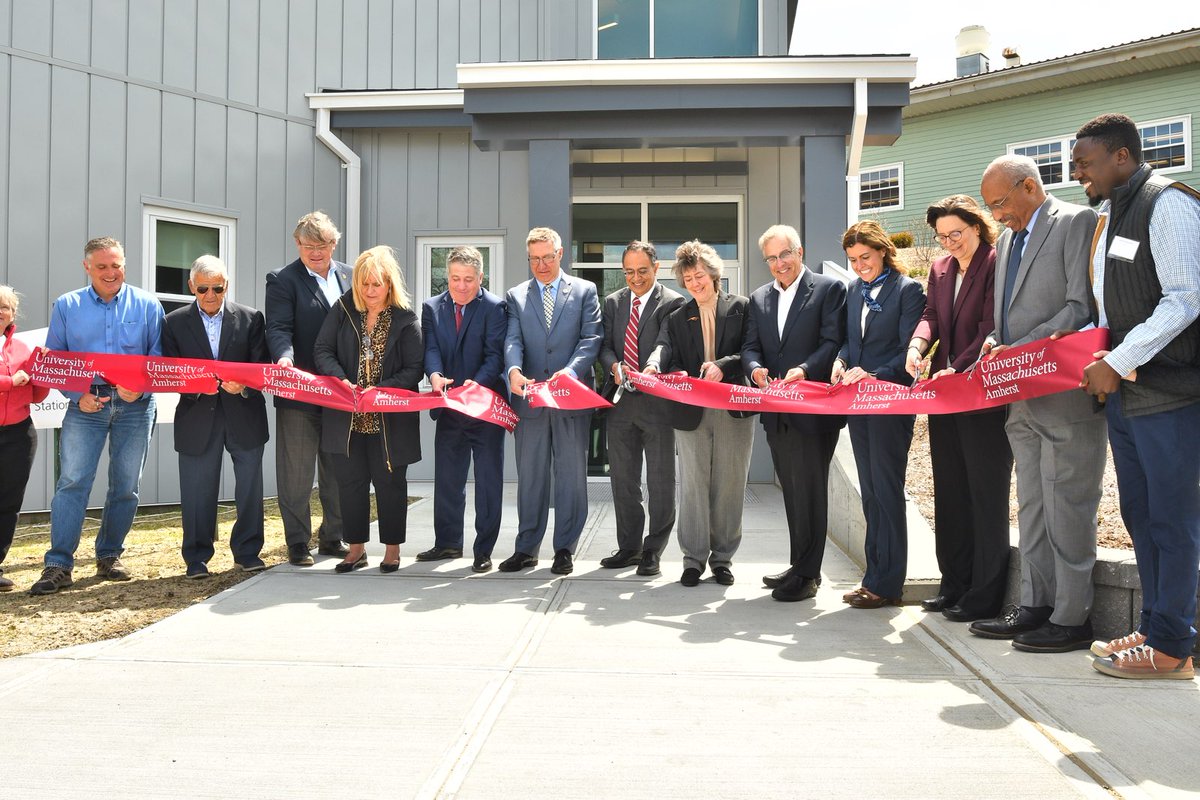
(380,262)
(316,226)
(9,296)
(544,235)
(696,253)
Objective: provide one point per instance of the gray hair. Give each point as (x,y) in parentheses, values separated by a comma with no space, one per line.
(544,235)
(1015,168)
(208,265)
(786,231)
(696,253)
(9,295)
(316,226)
(467,256)
(102,243)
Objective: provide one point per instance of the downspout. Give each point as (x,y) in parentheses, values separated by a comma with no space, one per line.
(352,163)
(858,133)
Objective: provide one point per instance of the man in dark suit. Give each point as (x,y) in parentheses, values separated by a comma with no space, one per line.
(637,422)
(796,324)
(463,329)
(298,298)
(553,328)
(231,419)
(1058,441)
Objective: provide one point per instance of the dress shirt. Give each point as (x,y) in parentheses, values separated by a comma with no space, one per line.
(553,286)
(862,322)
(328,285)
(786,296)
(212,327)
(130,323)
(1174,232)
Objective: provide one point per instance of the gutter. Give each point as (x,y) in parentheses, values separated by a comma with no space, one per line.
(858,132)
(352,163)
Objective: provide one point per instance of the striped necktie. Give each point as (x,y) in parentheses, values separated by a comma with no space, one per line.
(631,335)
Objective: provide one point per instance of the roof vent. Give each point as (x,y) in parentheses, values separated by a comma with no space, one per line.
(972,43)
(1011,57)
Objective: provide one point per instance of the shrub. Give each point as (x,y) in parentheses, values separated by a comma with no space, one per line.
(902,239)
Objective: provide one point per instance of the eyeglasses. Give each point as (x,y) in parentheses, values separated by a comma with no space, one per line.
(547,260)
(952,236)
(770,260)
(994,207)
(215,289)
(314,248)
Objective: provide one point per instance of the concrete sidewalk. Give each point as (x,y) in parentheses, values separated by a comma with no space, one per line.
(433,682)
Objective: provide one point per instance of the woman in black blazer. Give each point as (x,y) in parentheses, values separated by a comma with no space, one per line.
(703,337)
(372,337)
(883,307)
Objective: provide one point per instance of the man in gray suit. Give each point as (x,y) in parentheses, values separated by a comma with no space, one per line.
(1058,441)
(638,422)
(553,328)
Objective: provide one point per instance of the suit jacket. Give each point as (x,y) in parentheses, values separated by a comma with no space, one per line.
(959,324)
(681,347)
(296,309)
(881,347)
(658,305)
(473,352)
(573,339)
(814,330)
(242,339)
(337,350)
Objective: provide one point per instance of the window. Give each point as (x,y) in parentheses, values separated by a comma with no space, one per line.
(1166,146)
(1049,158)
(434,250)
(676,28)
(881,188)
(175,237)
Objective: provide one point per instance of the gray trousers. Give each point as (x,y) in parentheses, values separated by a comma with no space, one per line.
(552,443)
(1060,465)
(633,429)
(297,449)
(714,462)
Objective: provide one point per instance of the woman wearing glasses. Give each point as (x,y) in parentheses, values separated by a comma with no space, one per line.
(371,338)
(972,462)
(883,307)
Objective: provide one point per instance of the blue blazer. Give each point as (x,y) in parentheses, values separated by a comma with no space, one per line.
(880,348)
(473,352)
(573,339)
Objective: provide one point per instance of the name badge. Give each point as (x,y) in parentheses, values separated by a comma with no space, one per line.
(1123,249)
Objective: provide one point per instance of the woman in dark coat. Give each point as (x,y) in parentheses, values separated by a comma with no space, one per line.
(882,307)
(971,458)
(372,337)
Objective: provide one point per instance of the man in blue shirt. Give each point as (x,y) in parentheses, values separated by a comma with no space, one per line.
(105,317)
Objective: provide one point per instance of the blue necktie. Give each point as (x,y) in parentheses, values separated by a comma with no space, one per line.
(1010,280)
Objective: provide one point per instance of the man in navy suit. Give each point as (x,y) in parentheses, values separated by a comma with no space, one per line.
(463,329)
(553,328)
(796,324)
(231,419)
(299,297)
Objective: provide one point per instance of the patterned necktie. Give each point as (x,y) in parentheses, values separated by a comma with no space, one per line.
(631,335)
(1010,280)
(548,304)
(457,317)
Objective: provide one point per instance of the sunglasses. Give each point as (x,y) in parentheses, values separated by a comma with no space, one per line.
(215,289)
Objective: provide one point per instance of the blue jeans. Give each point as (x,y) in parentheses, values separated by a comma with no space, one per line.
(127,427)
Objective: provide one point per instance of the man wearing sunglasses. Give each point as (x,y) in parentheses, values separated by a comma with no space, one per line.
(232,418)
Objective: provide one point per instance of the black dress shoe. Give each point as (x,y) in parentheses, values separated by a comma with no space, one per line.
(436,553)
(796,587)
(334,548)
(518,561)
(1012,620)
(690,577)
(299,556)
(957,613)
(349,566)
(649,565)
(481,564)
(1051,638)
(775,581)
(723,575)
(387,567)
(621,558)
(563,564)
(939,603)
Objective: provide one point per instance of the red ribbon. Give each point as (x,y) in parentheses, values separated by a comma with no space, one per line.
(563,393)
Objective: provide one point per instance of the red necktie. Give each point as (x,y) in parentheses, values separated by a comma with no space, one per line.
(457,317)
(631,335)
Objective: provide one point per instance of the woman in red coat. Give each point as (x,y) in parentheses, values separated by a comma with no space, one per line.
(18,440)
(972,462)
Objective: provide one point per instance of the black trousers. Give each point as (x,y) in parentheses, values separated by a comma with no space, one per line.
(18,443)
(972,470)
(802,463)
(366,465)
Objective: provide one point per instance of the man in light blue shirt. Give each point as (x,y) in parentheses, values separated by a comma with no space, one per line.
(104,317)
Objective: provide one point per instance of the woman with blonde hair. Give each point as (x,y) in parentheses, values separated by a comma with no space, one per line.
(372,338)
(883,307)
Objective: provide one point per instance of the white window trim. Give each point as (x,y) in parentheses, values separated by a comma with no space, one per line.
(1186,119)
(1065,141)
(650,49)
(227,244)
(425,244)
(733,267)
(899,167)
